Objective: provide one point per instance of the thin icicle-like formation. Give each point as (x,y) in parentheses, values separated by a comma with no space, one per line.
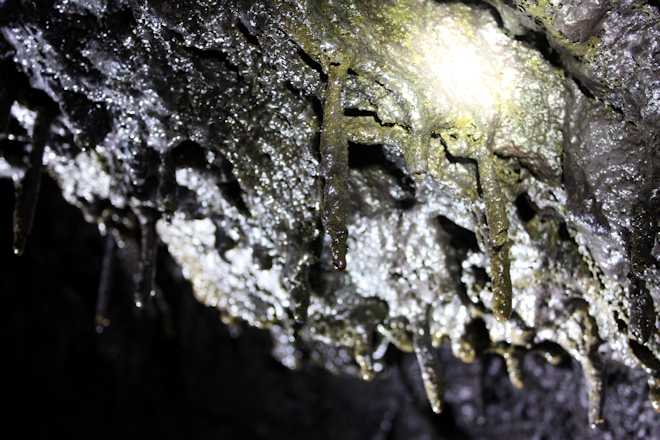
(642,310)
(586,351)
(654,391)
(429,364)
(334,166)
(594,373)
(27,192)
(364,354)
(105,281)
(514,357)
(501,279)
(148,249)
(498,226)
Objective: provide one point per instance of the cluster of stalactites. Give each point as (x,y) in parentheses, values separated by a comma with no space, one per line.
(27,194)
(335,135)
(337,131)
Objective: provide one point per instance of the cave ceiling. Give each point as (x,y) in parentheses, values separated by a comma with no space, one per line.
(362,174)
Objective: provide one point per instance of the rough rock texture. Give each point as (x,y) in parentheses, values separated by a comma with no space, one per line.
(352,176)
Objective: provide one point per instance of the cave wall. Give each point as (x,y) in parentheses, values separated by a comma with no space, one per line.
(220,133)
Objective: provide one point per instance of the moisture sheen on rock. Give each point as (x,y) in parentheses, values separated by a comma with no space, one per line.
(365,173)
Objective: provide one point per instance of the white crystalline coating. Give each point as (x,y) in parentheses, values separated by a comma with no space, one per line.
(82,178)
(405,284)
(9,172)
(24,116)
(527,270)
(232,282)
(4,166)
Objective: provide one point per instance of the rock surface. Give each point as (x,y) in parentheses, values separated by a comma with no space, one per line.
(498,221)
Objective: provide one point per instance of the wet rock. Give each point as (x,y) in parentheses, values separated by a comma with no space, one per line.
(347,175)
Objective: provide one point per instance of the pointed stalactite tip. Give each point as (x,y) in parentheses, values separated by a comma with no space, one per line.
(429,364)
(596,393)
(20,237)
(655,404)
(339,249)
(502,311)
(654,393)
(642,311)
(340,264)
